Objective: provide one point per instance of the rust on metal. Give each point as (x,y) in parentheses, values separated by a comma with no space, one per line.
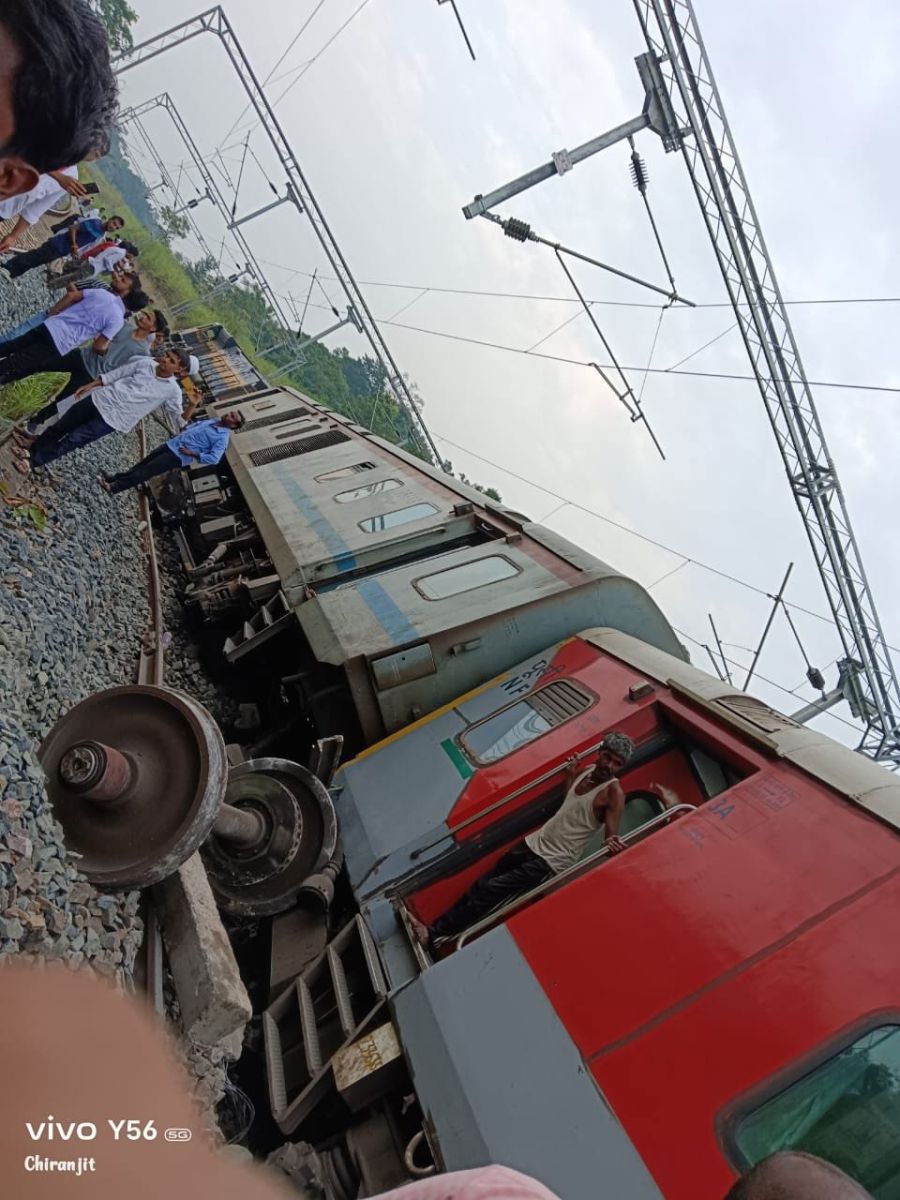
(243,826)
(175,791)
(97,772)
(300,840)
(150,665)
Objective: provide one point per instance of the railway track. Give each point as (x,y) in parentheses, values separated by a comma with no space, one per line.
(151,666)
(150,965)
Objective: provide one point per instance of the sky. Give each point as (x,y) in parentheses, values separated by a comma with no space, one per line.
(396,128)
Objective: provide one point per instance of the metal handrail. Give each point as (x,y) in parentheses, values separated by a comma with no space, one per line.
(577,868)
(421,955)
(485,812)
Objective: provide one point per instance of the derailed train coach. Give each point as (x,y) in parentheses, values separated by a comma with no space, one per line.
(645,1025)
(373,585)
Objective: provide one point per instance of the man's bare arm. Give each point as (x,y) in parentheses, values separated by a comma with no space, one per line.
(72,296)
(608,806)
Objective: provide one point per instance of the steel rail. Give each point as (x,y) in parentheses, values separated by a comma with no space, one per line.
(151,671)
(150,664)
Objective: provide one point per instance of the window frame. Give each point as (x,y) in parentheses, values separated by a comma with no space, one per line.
(346,472)
(392,479)
(361,525)
(578,685)
(517,570)
(747,1102)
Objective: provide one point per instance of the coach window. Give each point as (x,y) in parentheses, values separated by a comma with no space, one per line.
(368,489)
(846,1111)
(343,472)
(522,722)
(400,516)
(466,577)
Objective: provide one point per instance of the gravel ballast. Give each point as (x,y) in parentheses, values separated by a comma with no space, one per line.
(21,300)
(72,606)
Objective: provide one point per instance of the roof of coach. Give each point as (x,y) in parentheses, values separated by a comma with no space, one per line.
(859,779)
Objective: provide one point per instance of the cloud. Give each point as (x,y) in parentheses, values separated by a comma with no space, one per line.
(397,129)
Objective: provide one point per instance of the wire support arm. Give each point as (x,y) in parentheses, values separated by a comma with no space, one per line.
(521,231)
(671,31)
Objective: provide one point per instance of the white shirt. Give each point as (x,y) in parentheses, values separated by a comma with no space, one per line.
(131,392)
(31,206)
(98,313)
(107,259)
(561,840)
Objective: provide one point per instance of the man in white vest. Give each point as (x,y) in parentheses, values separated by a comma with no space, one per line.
(594,799)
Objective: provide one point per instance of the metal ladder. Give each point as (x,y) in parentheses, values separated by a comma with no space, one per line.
(332,1002)
(269,619)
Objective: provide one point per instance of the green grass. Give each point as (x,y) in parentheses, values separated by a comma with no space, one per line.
(163,277)
(165,281)
(18,400)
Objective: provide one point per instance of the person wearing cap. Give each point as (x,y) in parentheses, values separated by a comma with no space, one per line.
(594,799)
(200,442)
(114,403)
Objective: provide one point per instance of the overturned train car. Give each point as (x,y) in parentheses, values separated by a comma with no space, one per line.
(372,586)
(639,1026)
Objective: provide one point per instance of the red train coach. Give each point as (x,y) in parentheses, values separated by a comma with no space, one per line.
(651,1023)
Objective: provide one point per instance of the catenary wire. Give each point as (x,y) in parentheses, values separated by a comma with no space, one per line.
(451,291)
(291,44)
(575,362)
(771,682)
(727,576)
(305,67)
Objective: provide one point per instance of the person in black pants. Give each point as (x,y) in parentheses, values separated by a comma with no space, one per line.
(79,426)
(157,462)
(593,800)
(199,442)
(79,236)
(38,350)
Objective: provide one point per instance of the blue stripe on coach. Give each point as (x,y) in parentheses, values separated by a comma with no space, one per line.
(386,611)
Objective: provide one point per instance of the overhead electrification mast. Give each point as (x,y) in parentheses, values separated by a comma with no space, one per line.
(672,35)
(214,21)
(683,107)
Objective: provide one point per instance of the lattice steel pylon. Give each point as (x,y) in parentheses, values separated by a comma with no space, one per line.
(214,21)
(165,102)
(671,31)
(166,177)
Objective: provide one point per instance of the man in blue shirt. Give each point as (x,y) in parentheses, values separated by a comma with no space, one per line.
(77,237)
(199,442)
